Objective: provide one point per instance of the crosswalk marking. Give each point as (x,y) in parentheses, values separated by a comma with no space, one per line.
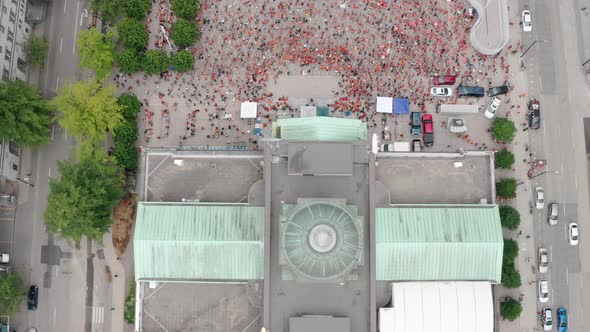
(97,314)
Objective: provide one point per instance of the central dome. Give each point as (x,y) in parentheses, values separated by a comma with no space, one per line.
(321,240)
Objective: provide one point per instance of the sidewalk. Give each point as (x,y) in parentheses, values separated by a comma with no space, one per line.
(118,283)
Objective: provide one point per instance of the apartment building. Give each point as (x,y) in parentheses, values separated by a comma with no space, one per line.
(14,31)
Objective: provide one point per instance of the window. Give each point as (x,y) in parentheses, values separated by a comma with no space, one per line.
(10,36)
(21,65)
(13,148)
(5,74)
(4,9)
(12,17)
(0,49)
(15,167)
(1,29)
(14,2)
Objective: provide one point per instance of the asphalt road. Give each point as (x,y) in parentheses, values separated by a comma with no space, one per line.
(65,275)
(555,77)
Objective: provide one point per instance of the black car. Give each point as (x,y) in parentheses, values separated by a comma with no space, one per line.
(535,119)
(470,91)
(33,297)
(416,124)
(498,90)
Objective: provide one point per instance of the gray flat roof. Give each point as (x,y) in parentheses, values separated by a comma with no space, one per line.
(320,158)
(319,324)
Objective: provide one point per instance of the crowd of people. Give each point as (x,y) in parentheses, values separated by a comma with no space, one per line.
(373,47)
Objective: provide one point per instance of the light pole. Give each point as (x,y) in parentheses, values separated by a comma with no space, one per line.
(528,48)
(544,172)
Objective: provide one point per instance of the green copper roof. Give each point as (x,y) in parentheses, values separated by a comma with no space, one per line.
(320,128)
(176,241)
(439,243)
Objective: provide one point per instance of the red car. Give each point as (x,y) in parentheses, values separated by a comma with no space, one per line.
(427,129)
(445,79)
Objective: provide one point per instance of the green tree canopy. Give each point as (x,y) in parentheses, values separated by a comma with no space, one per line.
(184,33)
(107,9)
(504,159)
(510,309)
(36,49)
(132,34)
(510,276)
(87,109)
(183,61)
(510,251)
(80,203)
(25,117)
(97,51)
(130,61)
(129,311)
(509,217)
(12,289)
(506,188)
(503,130)
(186,9)
(130,106)
(156,62)
(136,8)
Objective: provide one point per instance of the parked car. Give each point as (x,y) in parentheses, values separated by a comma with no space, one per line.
(445,79)
(417,145)
(492,108)
(553,214)
(470,91)
(33,297)
(547,319)
(428,129)
(543,291)
(416,124)
(573,233)
(543,260)
(527,22)
(441,92)
(535,119)
(4,258)
(562,319)
(498,90)
(32,329)
(539,197)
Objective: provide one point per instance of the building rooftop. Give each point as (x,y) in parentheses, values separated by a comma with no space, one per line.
(320,128)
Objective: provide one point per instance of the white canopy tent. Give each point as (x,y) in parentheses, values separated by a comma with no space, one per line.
(439,307)
(384,105)
(249,110)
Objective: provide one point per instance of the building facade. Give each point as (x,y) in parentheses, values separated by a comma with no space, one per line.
(14,31)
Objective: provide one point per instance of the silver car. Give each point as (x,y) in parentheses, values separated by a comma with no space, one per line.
(553,214)
(543,260)
(539,197)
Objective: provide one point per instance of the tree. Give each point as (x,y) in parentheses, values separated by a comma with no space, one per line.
(81,202)
(506,188)
(509,217)
(97,51)
(132,34)
(107,9)
(186,9)
(184,33)
(12,289)
(156,62)
(130,106)
(510,276)
(86,109)
(510,309)
(25,117)
(504,159)
(36,49)
(129,310)
(510,251)
(130,61)
(136,8)
(503,130)
(183,61)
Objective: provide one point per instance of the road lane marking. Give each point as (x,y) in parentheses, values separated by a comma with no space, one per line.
(57,84)
(76,28)
(562,169)
(576,180)
(49,171)
(66,134)
(567,279)
(52,130)
(54,317)
(65,5)
(81,18)
(61,43)
(97,314)
(572,135)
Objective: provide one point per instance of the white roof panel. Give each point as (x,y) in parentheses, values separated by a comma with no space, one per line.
(440,307)
(249,110)
(384,105)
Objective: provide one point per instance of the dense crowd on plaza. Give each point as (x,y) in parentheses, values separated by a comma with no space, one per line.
(375,48)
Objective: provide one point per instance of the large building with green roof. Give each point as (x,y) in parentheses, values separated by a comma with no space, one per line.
(326,230)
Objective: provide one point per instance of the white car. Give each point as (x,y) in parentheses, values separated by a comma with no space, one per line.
(573,233)
(543,291)
(527,23)
(543,260)
(4,258)
(539,197)
(492,108)
(547,319)
(441,92)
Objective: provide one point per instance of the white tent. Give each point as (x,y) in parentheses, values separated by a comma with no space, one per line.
(384,105)
(439,307)
(249,110)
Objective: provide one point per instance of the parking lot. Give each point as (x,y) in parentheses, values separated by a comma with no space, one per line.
(435,180)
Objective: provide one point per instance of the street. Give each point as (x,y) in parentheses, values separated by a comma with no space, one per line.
(66,276)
